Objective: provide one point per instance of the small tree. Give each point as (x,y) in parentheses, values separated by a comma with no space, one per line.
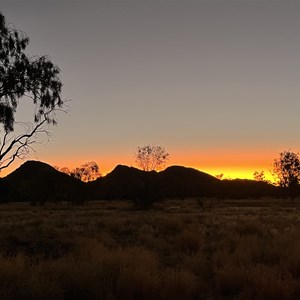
(87,172)
(36,78)
(286,169)
(151,157)
(259,176)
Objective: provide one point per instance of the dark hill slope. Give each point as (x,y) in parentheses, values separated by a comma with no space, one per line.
(31,168)
(124,183)
(5,191)
(39,182)
(245,188)
(131,183)
(182,182)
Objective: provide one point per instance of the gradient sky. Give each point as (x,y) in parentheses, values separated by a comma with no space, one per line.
(215,82)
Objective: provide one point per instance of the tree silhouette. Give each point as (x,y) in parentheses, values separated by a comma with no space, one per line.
(151,157)
(259,176)
(286,169)
(36,78)
(88,171)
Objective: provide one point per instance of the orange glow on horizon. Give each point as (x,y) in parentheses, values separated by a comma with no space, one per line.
(232,164)
(234,173)
(238,164)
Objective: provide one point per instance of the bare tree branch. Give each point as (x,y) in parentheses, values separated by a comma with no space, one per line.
(21,145)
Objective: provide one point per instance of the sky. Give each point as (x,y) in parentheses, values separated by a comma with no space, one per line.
(214,82)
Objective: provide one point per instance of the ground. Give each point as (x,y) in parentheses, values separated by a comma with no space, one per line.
(191,249)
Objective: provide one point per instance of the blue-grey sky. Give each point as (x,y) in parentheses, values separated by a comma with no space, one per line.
(215,82)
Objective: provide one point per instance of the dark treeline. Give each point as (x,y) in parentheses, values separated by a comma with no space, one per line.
(38,183)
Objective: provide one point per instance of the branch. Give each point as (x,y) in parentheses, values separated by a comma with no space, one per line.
(4,142)
(20,152)
(21,145)
(19,140)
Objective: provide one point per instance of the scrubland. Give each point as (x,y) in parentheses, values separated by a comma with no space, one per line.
(191,249)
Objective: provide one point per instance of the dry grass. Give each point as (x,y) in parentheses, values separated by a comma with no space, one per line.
(175,250)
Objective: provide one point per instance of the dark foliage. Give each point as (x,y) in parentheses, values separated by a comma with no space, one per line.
(286,170)
(21,75)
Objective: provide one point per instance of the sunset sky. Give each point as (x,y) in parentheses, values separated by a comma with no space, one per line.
(217,83)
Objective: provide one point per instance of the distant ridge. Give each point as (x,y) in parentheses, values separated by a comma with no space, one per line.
(246,188)
(174,182)
(182,182)
(124,182)
(36,181)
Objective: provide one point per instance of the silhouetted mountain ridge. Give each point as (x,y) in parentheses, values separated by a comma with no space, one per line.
(182,182)
(31,168)
(123,182)
(38,181)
